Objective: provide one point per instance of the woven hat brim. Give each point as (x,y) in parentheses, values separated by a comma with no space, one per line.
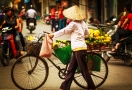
(74,13)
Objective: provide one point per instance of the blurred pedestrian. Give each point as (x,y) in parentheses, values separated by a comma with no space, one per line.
(78,30)
(61,19)
(20,33)
(93,21)
(22,13)
(53,25)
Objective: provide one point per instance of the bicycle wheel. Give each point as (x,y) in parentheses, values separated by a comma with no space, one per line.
(98,77)
(29,72)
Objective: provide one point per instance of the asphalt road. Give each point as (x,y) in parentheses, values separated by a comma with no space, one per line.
(119,76)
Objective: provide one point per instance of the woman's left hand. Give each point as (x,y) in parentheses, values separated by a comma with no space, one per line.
(51,35)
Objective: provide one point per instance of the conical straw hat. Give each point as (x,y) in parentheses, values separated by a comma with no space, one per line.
(74,13)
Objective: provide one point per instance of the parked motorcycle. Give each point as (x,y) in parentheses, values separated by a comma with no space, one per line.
(31,27)
(47,19)
(7,47)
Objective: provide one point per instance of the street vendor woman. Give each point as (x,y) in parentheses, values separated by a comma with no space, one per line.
(78,30)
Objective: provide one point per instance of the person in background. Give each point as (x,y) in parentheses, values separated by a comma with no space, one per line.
(119,16)
(12,21)
(53,20)
(123,30)
(20,28)
(31,14)
(61,19)
(68,21)
(22,13)
(79,31)
(93,21)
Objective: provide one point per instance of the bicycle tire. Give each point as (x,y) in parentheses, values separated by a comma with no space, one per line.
(5,60)
(98,77)
(21,72)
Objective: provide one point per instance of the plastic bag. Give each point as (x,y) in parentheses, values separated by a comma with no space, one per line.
(46,49)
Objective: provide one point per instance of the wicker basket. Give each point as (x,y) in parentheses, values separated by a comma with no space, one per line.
(34,48)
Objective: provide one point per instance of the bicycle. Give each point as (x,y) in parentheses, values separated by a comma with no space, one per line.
(30,72)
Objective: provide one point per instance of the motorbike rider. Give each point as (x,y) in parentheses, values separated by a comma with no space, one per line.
(119,16)
(31,14)
(12,21)
(121,31)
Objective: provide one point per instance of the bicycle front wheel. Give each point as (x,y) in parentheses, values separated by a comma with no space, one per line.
(98,77)
(29,72)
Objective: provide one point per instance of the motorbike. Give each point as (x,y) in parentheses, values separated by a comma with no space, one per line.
(7,46)
(47,20)
(124,52)
(31,27)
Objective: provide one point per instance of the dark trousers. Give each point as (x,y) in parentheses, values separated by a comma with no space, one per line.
(22,40)
(120,33)
(61,24)
(78,60)
(53,26)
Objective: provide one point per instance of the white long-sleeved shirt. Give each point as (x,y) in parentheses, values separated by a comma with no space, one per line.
(78,32)
(31,13)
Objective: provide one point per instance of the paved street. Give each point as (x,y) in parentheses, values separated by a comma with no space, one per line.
(119,76)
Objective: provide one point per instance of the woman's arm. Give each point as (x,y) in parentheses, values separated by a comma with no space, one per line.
(17,25)
(3,23)
(124,23)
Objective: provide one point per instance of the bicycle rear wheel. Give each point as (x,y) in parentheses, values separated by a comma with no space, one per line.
(29,72)
(98,77)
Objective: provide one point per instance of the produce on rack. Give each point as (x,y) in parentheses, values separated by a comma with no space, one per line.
(98,39)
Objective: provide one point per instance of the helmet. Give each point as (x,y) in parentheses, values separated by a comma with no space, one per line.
(22,6)
(31,6)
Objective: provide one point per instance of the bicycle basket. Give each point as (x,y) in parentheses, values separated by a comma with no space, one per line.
(34,48)
(64,54)
(94,62)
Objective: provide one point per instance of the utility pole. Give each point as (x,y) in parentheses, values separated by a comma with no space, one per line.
(42,8)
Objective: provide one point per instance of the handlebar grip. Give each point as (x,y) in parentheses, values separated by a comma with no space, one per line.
(46,32)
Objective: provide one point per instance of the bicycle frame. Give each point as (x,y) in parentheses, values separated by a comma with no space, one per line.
(58,67)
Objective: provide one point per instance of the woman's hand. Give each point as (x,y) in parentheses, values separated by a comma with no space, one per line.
(51,35)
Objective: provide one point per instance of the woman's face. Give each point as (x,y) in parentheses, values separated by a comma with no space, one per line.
(9,13)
